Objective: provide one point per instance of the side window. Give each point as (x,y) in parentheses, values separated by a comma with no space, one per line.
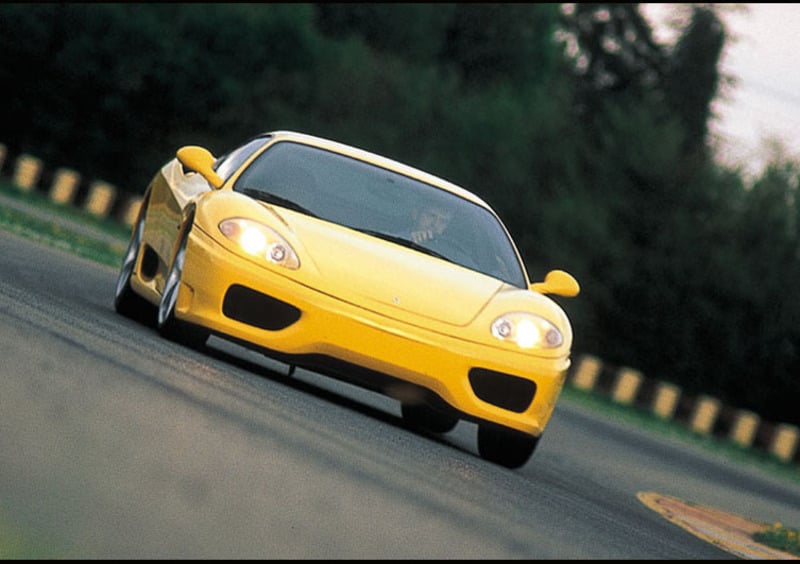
(228,164)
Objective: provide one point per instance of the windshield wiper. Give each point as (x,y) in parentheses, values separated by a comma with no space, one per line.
(404,242)
(271,198)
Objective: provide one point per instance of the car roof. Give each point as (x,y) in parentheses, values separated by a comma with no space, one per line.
(386,162)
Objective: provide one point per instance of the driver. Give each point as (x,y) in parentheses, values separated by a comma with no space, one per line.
(429,223)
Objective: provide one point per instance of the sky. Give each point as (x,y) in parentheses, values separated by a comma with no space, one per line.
(763,55)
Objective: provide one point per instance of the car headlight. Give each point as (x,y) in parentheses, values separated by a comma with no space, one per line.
(259,240)
(527,330)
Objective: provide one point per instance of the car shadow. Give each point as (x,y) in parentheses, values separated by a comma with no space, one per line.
(240,357)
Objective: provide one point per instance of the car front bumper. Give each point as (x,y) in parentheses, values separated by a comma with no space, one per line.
(459,372)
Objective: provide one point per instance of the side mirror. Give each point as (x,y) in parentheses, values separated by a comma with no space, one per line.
(200,160)
(559,283)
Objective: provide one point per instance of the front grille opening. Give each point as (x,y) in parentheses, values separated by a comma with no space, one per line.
(257,309)
(503,390)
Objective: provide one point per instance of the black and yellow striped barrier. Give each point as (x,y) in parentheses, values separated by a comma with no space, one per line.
(100,198)
(702,414)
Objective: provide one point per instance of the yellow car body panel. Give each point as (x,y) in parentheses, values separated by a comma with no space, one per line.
(356,302)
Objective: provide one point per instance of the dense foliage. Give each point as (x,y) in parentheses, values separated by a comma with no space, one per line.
(588,136)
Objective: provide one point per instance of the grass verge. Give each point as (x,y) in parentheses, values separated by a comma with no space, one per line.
(781,538)
(107,250)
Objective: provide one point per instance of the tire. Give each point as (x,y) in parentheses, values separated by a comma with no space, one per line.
(423,417)
(167,324)
(126,301)
(505,447)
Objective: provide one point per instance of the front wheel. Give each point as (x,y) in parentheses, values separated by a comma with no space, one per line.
(168,325)
(126,301)
(505,447)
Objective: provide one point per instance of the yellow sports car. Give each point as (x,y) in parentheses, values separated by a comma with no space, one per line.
(353,265)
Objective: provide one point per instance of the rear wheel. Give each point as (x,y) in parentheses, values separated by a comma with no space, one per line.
(126,301)
(504,446)
(423,417)
(168,325)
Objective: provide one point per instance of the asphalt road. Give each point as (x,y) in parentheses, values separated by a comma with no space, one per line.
(115,443)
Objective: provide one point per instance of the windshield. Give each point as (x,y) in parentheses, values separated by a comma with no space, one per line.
(382,203)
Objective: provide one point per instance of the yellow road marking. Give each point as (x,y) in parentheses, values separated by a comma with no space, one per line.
(730,532)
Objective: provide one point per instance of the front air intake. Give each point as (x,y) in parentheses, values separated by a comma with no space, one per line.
(257,309)
(503,390)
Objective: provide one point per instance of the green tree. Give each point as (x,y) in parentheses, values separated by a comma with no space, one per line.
(501,43)
(88,94)
(612,50)
(692,77)
(415,32)
(762,351)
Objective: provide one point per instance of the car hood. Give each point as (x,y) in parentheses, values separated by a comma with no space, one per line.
(390,278)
